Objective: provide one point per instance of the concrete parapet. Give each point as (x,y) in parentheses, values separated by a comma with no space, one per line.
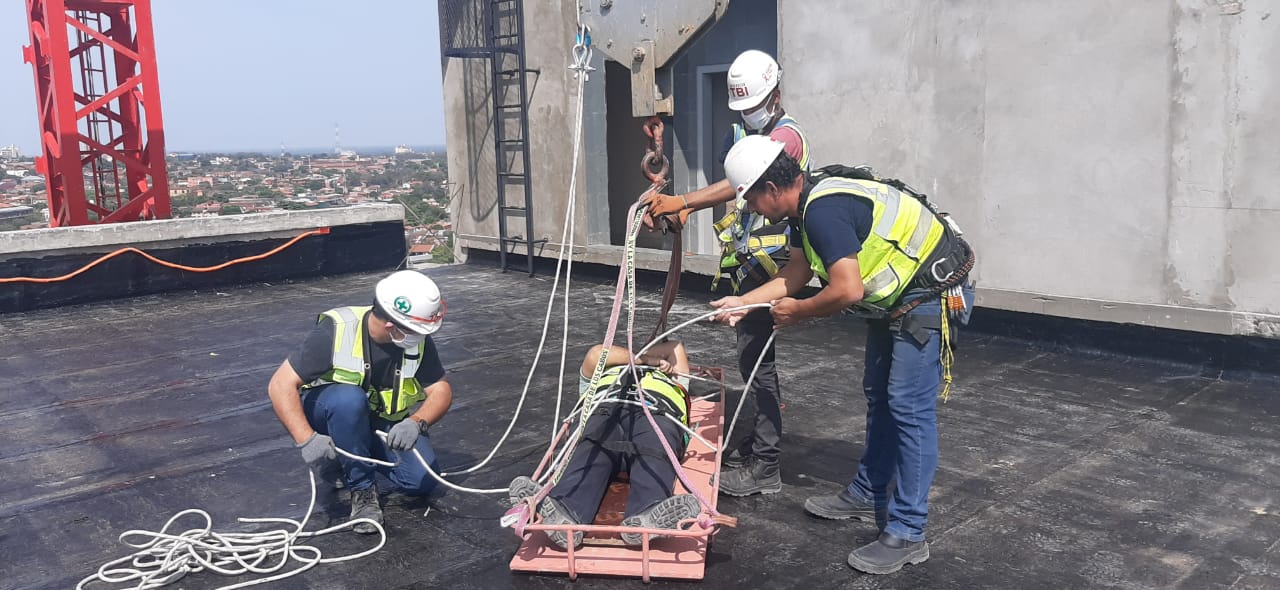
(359,239)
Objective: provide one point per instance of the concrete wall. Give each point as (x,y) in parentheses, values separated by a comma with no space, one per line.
(552,104)
(1110,160)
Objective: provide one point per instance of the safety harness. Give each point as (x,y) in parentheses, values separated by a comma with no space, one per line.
(663,396)
(749,243)
(351,366)
(912,245)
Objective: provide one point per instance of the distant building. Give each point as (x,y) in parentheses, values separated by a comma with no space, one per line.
(403,149)
(12,211)
(10,152)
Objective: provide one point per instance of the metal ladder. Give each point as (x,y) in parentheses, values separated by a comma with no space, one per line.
(94,81)
(511,128)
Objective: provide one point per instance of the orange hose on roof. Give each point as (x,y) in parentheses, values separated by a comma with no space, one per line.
(104,258)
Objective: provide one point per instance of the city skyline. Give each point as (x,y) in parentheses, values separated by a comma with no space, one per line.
(240,76)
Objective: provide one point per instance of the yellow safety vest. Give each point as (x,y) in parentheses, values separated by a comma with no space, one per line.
(745,242)
(903,235)
(351,367)
(663,393)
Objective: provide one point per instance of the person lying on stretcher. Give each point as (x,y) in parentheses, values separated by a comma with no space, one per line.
(619,438)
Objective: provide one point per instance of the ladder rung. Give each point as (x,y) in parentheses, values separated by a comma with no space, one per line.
(511,174)
(510,106)
(517,210)
(510,141)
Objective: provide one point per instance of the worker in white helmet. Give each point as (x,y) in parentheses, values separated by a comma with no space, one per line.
(364,369)
(752,252)
(879,246)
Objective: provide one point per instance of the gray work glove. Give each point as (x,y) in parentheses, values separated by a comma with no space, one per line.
(316,448)
(403,435)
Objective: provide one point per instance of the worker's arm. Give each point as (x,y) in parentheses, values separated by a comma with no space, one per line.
(790,279)
(709,196)
(668,356)
(284,391)
(670,352)
(439,398)
(703,198)
(843,289)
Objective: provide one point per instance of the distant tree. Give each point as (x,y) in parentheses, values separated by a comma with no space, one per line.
(231,210)
(442,253)
(292,206)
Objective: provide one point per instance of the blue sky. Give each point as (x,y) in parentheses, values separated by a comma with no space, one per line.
(248,74)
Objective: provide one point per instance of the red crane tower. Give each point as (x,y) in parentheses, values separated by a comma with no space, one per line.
(101,131)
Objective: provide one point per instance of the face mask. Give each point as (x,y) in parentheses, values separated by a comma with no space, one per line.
(756,120)
(409,341)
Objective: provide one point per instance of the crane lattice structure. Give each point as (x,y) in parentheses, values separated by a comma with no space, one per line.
(101,129)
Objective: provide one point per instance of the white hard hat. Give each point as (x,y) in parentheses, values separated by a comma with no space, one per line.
(752,77)
(748,159)
(411,300)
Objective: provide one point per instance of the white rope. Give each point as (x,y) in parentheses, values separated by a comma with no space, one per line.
(682,425)
(747,389)
(164,557)
(582,57)
(560,455)
(436,476)
(699,318)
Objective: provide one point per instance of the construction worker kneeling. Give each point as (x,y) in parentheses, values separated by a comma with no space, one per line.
(363,370)
(881,248)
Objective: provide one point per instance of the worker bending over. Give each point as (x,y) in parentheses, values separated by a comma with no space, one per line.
(878,245)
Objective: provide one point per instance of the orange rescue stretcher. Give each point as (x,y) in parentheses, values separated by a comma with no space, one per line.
(680,554)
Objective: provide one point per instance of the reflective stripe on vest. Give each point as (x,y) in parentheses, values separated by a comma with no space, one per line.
(741,252)
(350,367)
(665,394)
(903,234)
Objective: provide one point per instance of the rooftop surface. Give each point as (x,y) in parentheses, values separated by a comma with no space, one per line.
(1059,469)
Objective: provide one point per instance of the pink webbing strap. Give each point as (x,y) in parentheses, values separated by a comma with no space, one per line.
(523,512)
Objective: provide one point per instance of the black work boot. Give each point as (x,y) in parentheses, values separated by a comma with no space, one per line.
(364,504)
(521,487)
(756,477)
(554,513)
(735,459)
(665,514)
(888,554)
(840,506)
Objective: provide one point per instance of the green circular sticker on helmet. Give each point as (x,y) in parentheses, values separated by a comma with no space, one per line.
(402,304)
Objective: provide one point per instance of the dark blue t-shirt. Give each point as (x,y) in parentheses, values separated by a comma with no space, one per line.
(837,225)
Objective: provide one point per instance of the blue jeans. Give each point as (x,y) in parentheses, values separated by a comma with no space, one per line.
(901,382)
(342,412)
